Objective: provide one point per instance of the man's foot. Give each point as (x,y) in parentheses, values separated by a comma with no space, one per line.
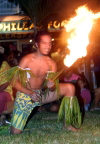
(73,129)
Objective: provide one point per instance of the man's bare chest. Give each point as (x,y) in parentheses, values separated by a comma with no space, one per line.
(39,68)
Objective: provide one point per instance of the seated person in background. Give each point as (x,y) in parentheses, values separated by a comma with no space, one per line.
(6,92)
(12,60)
(84,92)
(71,76)
(58,57)
(96,103)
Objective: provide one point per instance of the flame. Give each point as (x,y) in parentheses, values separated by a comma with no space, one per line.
(79,28)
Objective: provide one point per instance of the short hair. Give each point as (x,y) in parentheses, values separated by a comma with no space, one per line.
(39,34)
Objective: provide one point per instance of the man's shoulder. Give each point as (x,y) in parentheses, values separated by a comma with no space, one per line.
(29,56)
(26,59)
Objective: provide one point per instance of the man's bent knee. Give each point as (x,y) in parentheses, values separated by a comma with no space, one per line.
(15,131)
(67,89)
(70,90)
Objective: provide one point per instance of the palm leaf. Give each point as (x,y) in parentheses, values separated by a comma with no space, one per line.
(69,111)
(15,73)
(61,113)
(51,75)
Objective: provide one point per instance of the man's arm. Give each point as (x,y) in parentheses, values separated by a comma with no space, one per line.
(50,83)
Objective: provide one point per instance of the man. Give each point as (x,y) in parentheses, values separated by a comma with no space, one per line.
(28,97)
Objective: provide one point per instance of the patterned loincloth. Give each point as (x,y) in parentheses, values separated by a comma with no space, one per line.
(22,109)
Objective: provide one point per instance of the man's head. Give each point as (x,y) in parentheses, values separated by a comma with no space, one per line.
(43,42)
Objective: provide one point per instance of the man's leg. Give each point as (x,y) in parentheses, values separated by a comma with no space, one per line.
(14,130)
(66,91)
(22,109)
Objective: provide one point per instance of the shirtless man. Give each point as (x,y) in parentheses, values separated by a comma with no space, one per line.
(28,97)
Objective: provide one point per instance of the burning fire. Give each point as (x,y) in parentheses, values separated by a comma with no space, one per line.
(79,28)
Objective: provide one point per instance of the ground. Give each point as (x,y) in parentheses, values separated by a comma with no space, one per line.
(43,128)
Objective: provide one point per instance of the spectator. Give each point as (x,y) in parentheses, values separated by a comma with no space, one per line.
(6,93)
(84,92)
(71,76)
(12,59)
(96,103)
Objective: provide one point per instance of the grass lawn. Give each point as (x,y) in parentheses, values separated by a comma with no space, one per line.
(43,128)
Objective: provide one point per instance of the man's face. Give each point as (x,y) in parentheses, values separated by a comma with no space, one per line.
(44,46)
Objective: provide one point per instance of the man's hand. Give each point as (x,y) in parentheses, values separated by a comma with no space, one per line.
(35,97)
(51,85)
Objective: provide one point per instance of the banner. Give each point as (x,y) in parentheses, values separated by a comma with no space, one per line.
(22,26)
(16,26)
(56,25)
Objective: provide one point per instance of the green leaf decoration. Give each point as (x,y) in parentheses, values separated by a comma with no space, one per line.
(51,75)
(69,111)
(15,73)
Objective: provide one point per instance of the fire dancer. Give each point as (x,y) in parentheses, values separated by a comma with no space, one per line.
(35,94)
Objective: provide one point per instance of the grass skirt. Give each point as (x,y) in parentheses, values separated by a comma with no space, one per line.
(69,111)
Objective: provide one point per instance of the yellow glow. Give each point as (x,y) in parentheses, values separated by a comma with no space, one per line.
(79,28)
